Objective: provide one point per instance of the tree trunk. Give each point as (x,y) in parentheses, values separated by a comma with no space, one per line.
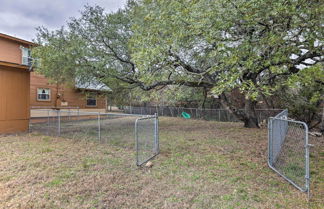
(57,96)
(205,98)
(250,120)
(203,104)
(248,116)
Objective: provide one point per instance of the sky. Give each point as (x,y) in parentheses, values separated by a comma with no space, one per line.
(19,18)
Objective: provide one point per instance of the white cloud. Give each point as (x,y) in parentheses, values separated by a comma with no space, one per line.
(21,17)
(16,20)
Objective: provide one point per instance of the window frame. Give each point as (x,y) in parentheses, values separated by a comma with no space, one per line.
(43,100)
(25,60)
(94,96)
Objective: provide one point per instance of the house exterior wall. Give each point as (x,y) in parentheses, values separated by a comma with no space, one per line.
(10,51)
(14,85)
(14,100)
(73,97)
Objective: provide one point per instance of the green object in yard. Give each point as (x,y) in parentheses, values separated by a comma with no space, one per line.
(185,115)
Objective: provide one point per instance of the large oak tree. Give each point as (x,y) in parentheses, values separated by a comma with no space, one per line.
(253,46)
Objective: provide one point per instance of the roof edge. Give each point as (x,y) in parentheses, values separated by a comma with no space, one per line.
(12,38)
(13,65)
(96,90)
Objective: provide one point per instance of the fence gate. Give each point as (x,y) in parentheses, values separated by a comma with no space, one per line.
(289,150)
(146,139)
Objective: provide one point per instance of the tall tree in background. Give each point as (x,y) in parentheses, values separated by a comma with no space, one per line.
(253,46)
(56,53)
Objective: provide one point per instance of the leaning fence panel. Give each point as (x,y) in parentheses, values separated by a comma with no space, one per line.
(147,141)
(289,150)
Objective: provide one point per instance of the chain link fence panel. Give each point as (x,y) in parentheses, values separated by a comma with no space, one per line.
(222,115)
(111,128)
(146,148)
(289,150)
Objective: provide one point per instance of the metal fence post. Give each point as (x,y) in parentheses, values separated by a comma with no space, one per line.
(156,134)
(269,140)
(307,177)
(136,143)
(99,127)
(48,121)
(59,122)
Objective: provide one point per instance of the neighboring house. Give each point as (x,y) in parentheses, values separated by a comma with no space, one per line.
(44,94)
(15,67)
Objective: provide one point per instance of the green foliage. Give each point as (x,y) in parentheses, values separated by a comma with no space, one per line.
(56,52)
(170,95)
(93,46)
(245,45)
(303,95)
(255,46)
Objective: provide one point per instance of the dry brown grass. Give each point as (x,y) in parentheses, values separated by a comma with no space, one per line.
(201,165)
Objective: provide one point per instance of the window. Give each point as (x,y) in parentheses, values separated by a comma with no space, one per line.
(91,100)
(43,94)
(26,56)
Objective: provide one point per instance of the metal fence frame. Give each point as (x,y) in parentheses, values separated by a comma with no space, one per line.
(156,143)
(59,115)
(278,132)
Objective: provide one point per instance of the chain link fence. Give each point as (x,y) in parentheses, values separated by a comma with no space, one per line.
(222,115)
(115,129)
(289,150)
(146,129)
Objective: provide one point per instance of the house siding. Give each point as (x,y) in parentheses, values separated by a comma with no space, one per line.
(10,51)
(14,86)
(14,100)
(73,97)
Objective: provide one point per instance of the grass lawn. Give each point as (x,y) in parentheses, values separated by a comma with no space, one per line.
(202,164)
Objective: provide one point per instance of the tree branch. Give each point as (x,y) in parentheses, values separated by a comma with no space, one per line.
(117,56)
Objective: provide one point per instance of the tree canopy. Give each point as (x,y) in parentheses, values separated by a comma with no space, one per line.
(253,46)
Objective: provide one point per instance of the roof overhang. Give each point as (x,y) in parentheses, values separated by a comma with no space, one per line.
(18,40)
(95,90)
(93,85)
(14,65)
